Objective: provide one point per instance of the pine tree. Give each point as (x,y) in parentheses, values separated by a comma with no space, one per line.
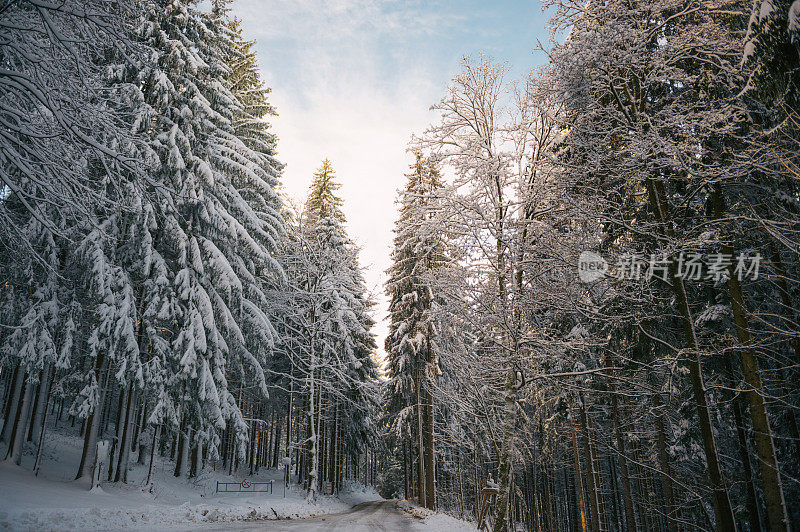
(410,345)
(328,316)
(76,174)
(322,200)
(146,207)
(217,247)
(250,123)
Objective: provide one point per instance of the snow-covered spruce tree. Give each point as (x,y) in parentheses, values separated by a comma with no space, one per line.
(35,301)
(250,121)
(67,171)
(90,219)
(329,344)
(252,127)
(410,345)
(161,280)
(59,112)
(113,347)
(217,247)
(322,201)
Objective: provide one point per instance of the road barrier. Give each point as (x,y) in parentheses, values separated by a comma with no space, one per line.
(244,486)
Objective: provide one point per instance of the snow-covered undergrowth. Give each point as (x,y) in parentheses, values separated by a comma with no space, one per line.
(52,501)
(355,492)
(438,521)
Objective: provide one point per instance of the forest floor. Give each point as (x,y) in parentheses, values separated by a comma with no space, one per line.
(53,501)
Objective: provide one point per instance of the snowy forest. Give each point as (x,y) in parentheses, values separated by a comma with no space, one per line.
(595,268)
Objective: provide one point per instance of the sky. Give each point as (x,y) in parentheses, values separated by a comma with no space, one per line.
(352,80)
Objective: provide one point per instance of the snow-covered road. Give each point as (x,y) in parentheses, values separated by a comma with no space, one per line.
(366,516)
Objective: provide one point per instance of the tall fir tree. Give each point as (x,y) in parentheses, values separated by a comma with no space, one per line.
(217,247)
(322,200)
(329,319)
(411,342)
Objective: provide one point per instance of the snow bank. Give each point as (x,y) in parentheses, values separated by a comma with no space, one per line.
(435,520)
(30,503)
(54,502)
(354,493)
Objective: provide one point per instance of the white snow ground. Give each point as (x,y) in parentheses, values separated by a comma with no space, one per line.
(53,501)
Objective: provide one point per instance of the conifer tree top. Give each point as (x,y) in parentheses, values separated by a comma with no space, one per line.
(322,199)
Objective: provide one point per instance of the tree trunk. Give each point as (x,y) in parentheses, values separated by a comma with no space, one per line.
(289,405)
(42,401)
(332,450)
(591,478)
(10,384)
(252,445)
(477,484)
(765,447)
(93,423)
(141,420)
(430,461)
(460,483)
(156,430)
(627,498)
(37,391)
(112,462)
(578,480)
(421,492)
(405,471)
(41,432)
(140,428)
(504,463)
(752,504)
(312,426)
(124,443)
(546,478)
(194,459)
(641,484)
(276,444)
(14,453)
(12,408)
(722,504)
(182,448)
(666,473)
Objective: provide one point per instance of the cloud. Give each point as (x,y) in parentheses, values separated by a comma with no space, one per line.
(348,86)
(343,19)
